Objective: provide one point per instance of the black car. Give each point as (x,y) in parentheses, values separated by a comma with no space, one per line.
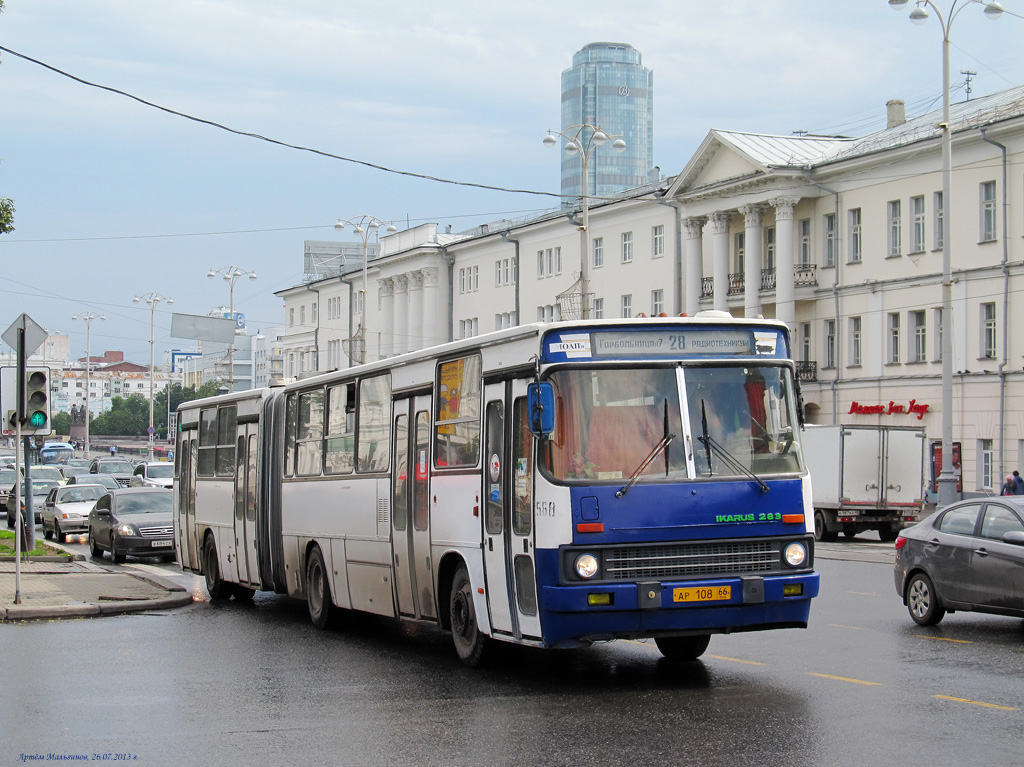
(133,520)
(969,556)
(119,468)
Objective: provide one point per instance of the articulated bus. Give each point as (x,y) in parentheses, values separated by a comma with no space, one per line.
(551,485)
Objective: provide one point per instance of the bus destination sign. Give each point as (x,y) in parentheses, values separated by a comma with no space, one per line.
(665,343)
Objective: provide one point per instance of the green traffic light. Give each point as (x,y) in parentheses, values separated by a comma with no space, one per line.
(37,419)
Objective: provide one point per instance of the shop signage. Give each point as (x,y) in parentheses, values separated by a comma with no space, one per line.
(893,408)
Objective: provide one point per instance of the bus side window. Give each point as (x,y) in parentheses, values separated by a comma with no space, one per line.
(340,447)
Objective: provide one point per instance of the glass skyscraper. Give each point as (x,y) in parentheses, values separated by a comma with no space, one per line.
(608,87)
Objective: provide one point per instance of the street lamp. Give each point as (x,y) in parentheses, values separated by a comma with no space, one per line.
(231,274)
(993,10)
(584,141)
(152,299)
(87,318)
(363,226)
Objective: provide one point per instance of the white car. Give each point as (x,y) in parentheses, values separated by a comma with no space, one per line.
(66,510)
(153,474)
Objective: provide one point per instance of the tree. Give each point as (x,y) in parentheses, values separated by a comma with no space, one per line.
(61,423)
(127,417)
(179,394)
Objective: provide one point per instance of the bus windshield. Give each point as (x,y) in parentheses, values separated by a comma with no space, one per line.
(608,421)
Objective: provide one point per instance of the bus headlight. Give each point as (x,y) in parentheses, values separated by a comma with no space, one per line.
(587,566)
(795,554)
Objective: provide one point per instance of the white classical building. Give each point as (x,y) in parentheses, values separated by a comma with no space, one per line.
(839,237)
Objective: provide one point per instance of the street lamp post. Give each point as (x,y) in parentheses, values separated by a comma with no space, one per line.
(363,226)
(87,317)
(919,15)
(231,274)
(584,141)
(152,299)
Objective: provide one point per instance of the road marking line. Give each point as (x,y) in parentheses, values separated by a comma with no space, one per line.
(975,703)
(944,639)
(736,660)
(845,679)
(841,626)
(863,593)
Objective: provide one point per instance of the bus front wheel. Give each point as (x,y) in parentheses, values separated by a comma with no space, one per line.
(683,648)
(470,642)
(217,586)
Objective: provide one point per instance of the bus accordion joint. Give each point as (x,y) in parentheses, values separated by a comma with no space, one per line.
(792,519)
(590,527)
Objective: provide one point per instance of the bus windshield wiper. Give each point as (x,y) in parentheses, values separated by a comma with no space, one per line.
(710,444)
(662,444)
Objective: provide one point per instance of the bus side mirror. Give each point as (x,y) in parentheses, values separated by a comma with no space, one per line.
(540,400)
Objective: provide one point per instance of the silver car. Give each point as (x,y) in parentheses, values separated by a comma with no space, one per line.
(153,474)
(969,556)
(66,510)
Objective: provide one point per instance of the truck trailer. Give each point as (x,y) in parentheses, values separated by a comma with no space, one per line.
(865,478)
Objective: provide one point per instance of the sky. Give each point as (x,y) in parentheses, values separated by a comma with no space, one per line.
(117,199)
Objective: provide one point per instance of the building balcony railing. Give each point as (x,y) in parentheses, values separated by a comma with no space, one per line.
(804,275)
(807,371)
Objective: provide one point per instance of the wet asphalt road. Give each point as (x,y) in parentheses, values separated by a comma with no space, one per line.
(235,684)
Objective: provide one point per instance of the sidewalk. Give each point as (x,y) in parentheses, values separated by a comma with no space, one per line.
(83,588)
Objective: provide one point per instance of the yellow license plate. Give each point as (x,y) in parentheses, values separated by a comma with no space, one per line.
(702,594)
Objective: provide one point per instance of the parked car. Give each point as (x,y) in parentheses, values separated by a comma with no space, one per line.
(45,472)
(107,480)
(66,510)
(40,488)
(8,475)
(969,556)
(68,472)
(153,474)
(133,520)
(120,468)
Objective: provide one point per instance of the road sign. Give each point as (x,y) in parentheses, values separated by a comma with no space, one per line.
(151,431)
(34,335)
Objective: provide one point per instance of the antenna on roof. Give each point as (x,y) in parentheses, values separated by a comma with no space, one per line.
(800,133)
(967,83)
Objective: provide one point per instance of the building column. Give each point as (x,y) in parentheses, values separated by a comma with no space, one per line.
(719,223)
(431,331)
(694,263)
(785,244)
(415,310)
(751,260)
(387,318)
(401,304)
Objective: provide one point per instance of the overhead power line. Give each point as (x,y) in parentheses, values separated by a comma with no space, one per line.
(285,144)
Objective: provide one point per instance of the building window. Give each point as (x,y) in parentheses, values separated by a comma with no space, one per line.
(291,316)
(830,343)
(856,246)
(988,211)
(855,341)
(314,312)
(469,279)
(893,347)
(598,252)
(769,248)
(804,233)
(627,247)
(627,305)
(919,320)
(657,241)
(917,209)
(302,315)
(546,313)
(739,255)
(830,239)
(598,308)
(895,228)
(657,302)
(986,459)
(805,342)
(468,328)
(503,272)
(549,262)
(938,220)
(988,330)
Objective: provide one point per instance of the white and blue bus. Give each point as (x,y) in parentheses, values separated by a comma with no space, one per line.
(550,484)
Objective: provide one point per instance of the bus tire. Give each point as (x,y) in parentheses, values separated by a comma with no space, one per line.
(683,648)
(470,643)
(215,585)
(318,591)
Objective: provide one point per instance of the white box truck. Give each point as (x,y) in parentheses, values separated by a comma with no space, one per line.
(865,478)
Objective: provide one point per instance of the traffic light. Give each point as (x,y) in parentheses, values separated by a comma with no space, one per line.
(37,402)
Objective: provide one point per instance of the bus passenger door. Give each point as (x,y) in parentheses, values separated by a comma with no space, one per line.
(496,554)
(245,503)
(401,503)
(422,565)
(519,506)
(187,455)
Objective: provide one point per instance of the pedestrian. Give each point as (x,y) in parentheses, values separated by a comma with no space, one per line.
(113,449)
(1018,483)
(1008,487)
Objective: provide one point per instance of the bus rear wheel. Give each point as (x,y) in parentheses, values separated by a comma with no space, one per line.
(217,586)
(470,643)
(683,648)
(318,591)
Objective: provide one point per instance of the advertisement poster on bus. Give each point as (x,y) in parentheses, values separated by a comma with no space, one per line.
(450,394)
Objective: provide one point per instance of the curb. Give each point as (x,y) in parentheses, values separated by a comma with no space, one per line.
(30,612)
